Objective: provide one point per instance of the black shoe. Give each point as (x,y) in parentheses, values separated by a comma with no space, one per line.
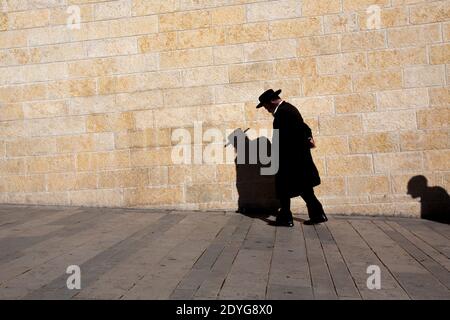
(286,215)
(282,223)
(289,223)
(310,222)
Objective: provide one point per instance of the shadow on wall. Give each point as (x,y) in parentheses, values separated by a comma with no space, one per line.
(434,201)
(257,197)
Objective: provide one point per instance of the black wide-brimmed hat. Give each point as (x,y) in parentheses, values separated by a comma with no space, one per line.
(267,96)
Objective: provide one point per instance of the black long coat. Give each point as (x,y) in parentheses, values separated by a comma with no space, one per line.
(297,170)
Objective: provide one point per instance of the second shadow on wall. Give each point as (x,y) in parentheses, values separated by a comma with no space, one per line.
(434,201)
(256,192)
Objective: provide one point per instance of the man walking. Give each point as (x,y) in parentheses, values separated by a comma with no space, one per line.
(297,174)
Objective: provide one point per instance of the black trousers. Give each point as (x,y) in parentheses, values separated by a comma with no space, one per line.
(315,209)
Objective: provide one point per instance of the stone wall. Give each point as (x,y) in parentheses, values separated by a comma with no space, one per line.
(87,115)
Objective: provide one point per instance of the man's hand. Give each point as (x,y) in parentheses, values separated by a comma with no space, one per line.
(312,144)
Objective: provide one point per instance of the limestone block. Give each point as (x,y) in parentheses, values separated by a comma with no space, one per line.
(163,41)
(184,20)
(289,68)
(324,85)
(145,7)
(439,97)
(112,9)
(45,109)
(314,106)
(186,58)
(270,50)
(368,185)
(11,112)
(143,119)
(205,37)
(215,115)
(127,178)
(153,196)
(140,100)
(201,193)
(175,117)
(365,40)
(228,15)
(112,122)
(430,12)
(331,145)
(437,160)
(341,63)
(112,47)
(336,125)
(440,54)
(398,162)
(28,19)
(57,182)
(424,76)
(374,142)
(390,121)
(414,36)
(320,7)
(85,142)
(92,68)
(390,58)
(197,96)
(433,118)
(158,176)
(354,103)
(377,80)
(151,157)
(99,197)
(403,99)
(12,166)
(102,160)
(30,146)
(62,163)
(353,5)
(32,183)
(318,45)
(238,92)
(248,33)
(331,186)
(251,71)
(424,140)
(50,127)
(349,165)
(293,28)
(264,10)
(205,76)
(228,54)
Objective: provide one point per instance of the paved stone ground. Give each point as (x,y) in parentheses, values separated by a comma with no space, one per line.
(148,254)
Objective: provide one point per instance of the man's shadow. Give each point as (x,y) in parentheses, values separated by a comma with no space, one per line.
(434,201)
(256,191)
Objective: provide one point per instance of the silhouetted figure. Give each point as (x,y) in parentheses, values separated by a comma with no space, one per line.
(256,191)
(297,174)
(434,201)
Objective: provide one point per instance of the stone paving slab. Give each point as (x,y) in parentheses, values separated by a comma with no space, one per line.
(167,254)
